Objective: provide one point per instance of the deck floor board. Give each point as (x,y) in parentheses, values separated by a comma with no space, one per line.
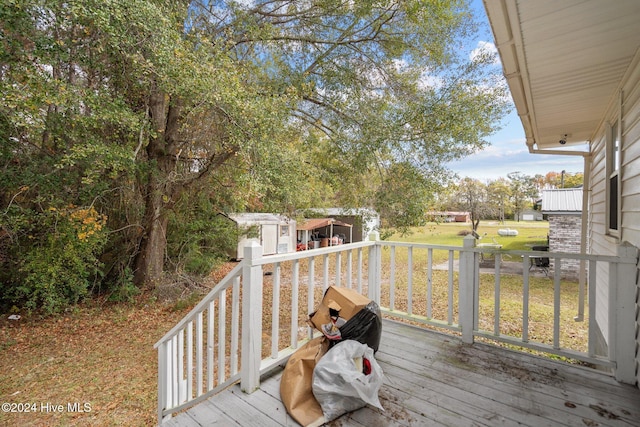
(433,379)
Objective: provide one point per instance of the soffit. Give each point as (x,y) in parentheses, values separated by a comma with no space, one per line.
(564,61)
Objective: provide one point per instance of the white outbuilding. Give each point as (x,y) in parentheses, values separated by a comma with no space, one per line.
(275,233)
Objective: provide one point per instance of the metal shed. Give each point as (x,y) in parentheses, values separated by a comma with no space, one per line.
(275,233)
(363,220)
(321,232)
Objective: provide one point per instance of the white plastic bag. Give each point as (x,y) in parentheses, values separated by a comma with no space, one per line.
(339,383)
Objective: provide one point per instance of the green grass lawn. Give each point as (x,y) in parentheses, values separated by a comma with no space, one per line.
(530,233)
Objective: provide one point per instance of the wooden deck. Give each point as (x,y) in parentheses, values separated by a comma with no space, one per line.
(433,379)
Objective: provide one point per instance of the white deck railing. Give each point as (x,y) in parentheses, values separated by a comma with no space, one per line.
(222,339)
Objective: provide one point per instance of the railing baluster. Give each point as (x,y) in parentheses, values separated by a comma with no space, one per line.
(374,272)
(338,269)
(294,304)
(311,293)
(476,291)
(190,360)
(360,270)
(325,273)
(592,308)
(392,279)
(556,302)
(235,325)
(163,378)
(450,296)
(199,354)
(525,298)
(174,371)
(181,390)
(496,319)
(210,328)
(429,282)
(350,268)
(222,335)
(275,310)
(410,280)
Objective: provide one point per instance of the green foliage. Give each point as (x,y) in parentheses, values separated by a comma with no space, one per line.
(60,263)
(200,238)
(404,197)
(523,191)
(124,290)
(160,115)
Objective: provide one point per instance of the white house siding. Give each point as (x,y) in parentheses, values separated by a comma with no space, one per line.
(631,176)
(599,241)
(631,157)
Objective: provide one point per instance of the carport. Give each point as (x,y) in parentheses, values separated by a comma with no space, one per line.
(322,231)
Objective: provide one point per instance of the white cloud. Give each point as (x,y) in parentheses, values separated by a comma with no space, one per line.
(483,48)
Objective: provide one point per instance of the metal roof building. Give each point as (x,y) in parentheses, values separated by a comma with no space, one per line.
(562,200)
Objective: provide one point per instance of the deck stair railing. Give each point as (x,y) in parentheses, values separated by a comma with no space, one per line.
(222,340)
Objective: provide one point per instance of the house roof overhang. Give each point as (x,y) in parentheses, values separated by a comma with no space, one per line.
(564,62)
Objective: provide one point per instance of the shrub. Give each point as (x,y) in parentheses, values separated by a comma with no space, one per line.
(60,266)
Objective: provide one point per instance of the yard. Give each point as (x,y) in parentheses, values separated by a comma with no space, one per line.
(96,364)
(530,233)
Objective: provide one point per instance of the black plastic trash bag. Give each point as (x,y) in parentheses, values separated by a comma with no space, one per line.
(347,378)
(365,326)
(354,316)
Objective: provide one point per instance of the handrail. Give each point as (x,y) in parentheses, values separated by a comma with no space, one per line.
(224,284)
(407,279)
(291,256)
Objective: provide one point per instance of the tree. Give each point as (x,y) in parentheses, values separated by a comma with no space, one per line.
(523,190)
(564,179)
(353,72)
(138,108)
(499,194)
(472,196)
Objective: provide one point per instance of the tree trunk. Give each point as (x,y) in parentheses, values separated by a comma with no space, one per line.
(160,190)
(150,258)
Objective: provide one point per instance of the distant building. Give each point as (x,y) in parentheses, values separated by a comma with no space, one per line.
(363,220)
(529,215)
(275,233)
(449,216)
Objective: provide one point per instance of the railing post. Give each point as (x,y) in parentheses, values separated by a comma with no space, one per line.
(374,268)
(624,311)
(251,318)
(162,381)
(466,282)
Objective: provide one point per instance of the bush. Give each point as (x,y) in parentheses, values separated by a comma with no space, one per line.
(60,265)
(198,237)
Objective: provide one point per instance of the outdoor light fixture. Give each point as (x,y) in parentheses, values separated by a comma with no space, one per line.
(563,140)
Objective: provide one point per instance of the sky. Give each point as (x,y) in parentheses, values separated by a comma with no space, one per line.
(508,151)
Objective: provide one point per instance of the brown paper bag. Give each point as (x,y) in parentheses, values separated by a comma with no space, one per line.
(295,386)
